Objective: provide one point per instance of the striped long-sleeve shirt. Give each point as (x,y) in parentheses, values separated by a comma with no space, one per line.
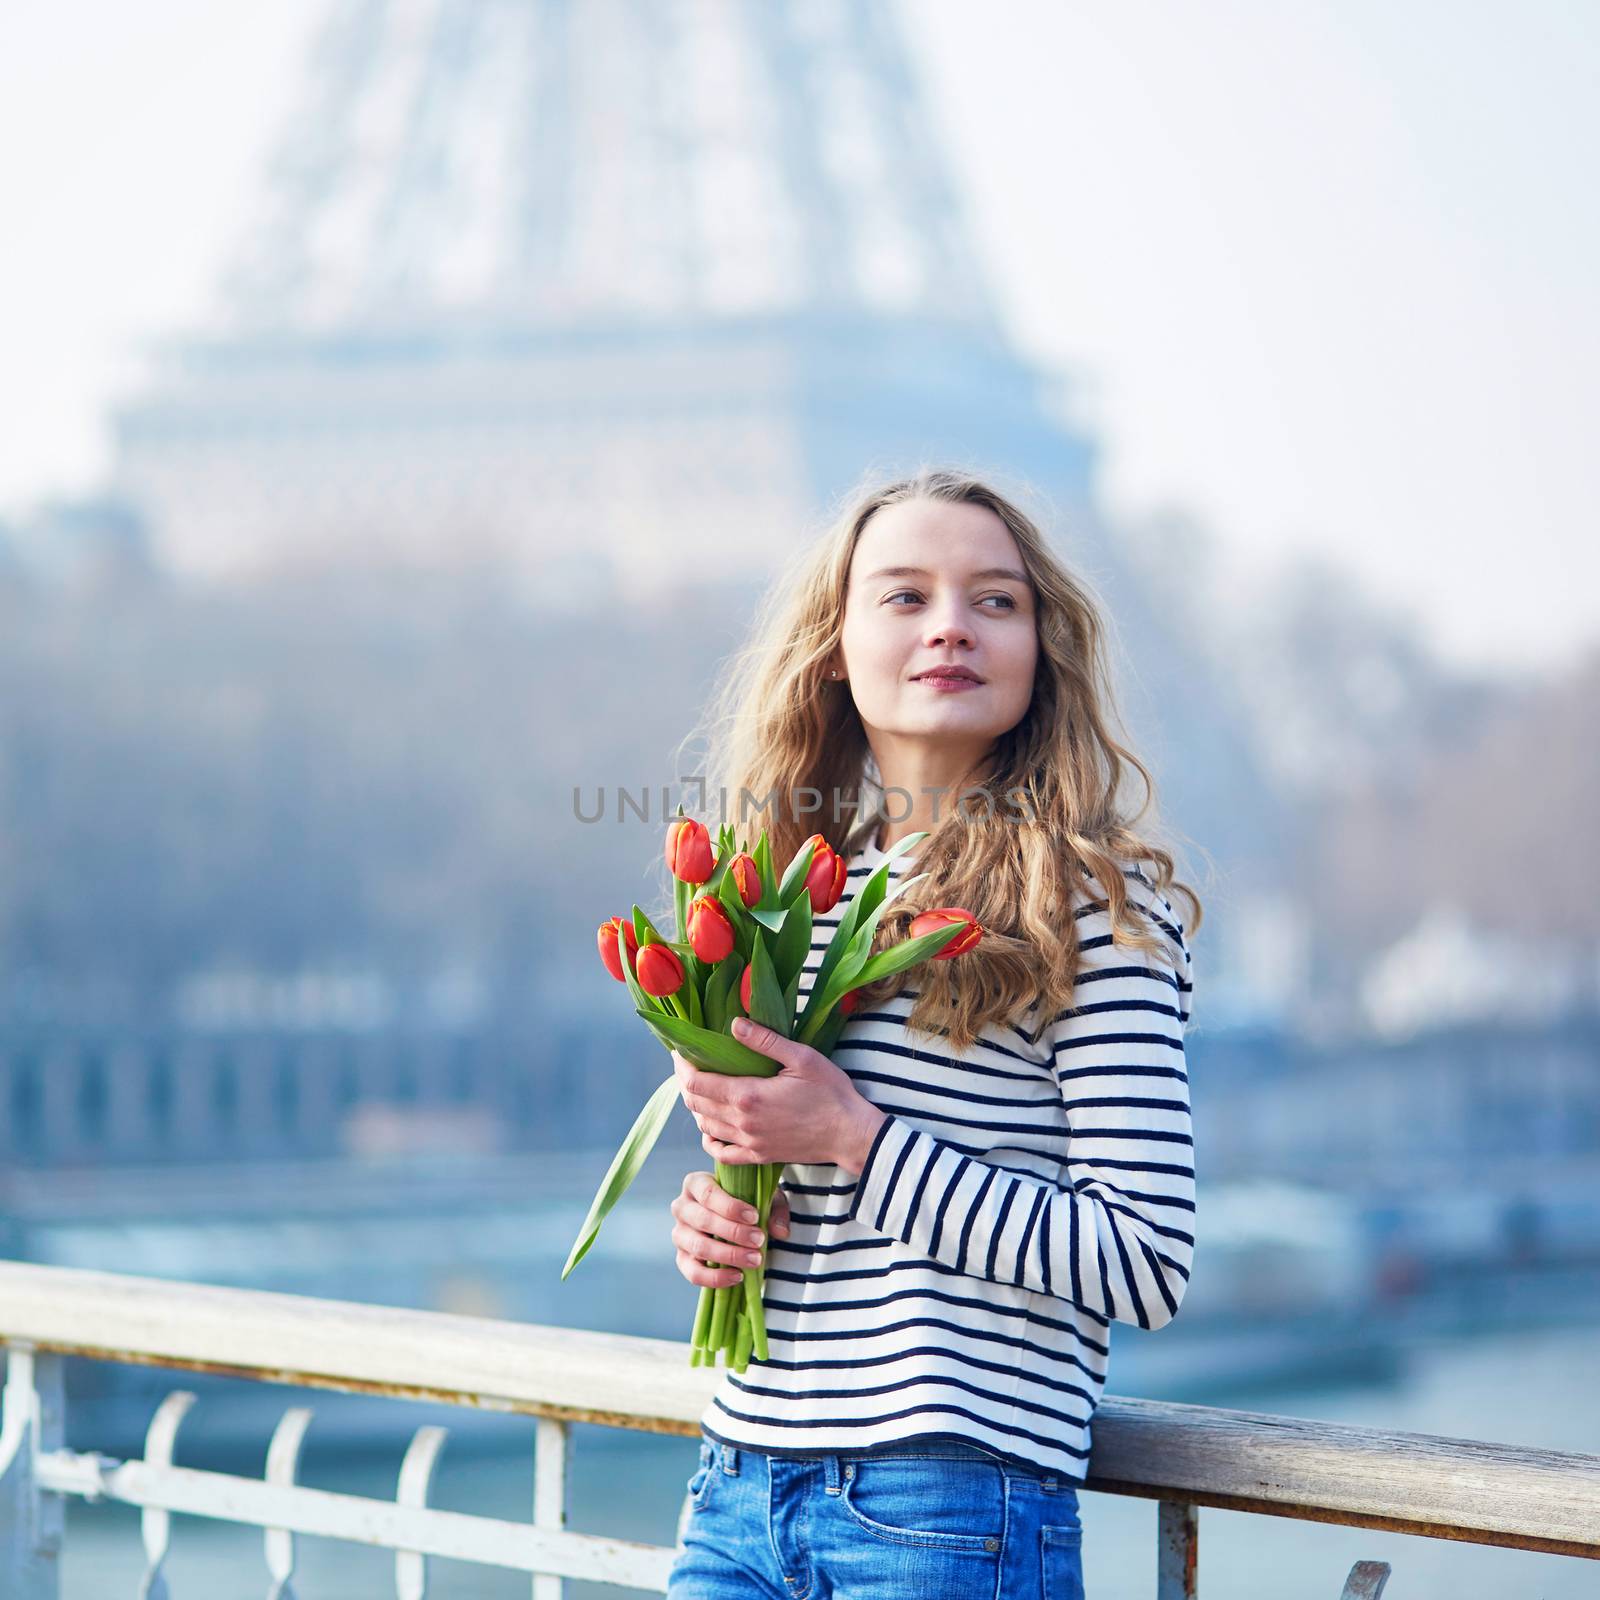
(1017,1200)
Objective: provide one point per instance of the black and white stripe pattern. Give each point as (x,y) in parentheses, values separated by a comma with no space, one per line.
(1018,1199)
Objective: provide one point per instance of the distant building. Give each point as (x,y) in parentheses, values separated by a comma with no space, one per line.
(1447,970)
(66,543)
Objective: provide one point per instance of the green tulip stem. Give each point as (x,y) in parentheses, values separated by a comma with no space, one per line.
(702,1320)
(720,1331)
(752,1306)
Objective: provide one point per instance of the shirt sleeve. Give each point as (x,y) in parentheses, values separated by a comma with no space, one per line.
(1116,1235)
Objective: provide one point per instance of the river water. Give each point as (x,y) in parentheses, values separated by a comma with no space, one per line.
(1534,1388)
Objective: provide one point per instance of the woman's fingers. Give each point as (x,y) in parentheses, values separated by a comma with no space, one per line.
(697,1272)
(716,1235)
(703,1189)
(747,1234)
(704,1254)
(732,1150)
(708,1247)
(711,1225)
(739,1237)
(722,1132)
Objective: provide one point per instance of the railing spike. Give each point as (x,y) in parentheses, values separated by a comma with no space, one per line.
(155,1525)
(283,1463)
(416,1476)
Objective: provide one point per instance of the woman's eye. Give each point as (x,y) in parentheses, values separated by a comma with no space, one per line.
(1009,603)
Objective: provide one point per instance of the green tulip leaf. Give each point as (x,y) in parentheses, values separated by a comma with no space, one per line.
(866,900)
(875,890)
(766,992)
(762,855)
(796,875)
(625,1167)
(740,917)
(907,954)
(642,925)
(723,854)
(722,994)
(828,1034)
(711,1052)
(794,941)
(844,977)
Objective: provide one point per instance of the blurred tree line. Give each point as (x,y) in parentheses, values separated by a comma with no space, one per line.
(361,770)
(373,771)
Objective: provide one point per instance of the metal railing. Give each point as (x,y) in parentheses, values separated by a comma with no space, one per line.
(1182,1456)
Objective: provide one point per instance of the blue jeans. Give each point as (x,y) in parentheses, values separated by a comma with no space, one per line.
(934,1520)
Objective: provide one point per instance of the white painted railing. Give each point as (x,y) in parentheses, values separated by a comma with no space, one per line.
(1182,1456)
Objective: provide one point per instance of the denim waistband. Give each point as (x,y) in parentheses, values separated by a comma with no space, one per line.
(932,1447)
(928,1448)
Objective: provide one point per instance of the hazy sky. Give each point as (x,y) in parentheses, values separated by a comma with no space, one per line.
(1327,270)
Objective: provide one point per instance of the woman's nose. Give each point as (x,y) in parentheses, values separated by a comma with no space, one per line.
(950,627)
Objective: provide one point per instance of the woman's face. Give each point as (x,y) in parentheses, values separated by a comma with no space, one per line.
(968,602)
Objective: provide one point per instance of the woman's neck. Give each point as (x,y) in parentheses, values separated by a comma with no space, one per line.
(931,781)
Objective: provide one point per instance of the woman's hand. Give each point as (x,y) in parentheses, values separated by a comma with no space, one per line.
(809,1112)
(709,1224)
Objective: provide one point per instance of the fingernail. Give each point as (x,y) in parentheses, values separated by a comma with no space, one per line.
(748,1214)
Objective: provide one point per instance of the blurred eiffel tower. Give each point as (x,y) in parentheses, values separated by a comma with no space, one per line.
(586,290)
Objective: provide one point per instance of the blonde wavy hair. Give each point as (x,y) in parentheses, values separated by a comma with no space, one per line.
(1043,816)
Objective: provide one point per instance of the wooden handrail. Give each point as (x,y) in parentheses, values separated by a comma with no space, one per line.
(1248,1461)
(570,1374)
(1416,1483)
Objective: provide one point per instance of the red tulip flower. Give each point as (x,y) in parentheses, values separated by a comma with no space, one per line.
(742,869)
(744,991)
(710,931)
(849,1001)
(608,945)
(826,876)
(659,970)
(942,917)
(689,850)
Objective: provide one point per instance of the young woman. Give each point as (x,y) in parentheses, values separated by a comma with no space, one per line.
(997,1162)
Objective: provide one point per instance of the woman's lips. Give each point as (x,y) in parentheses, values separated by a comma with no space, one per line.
(947,685)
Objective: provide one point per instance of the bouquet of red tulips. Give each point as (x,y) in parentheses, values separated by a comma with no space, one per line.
(743,935)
